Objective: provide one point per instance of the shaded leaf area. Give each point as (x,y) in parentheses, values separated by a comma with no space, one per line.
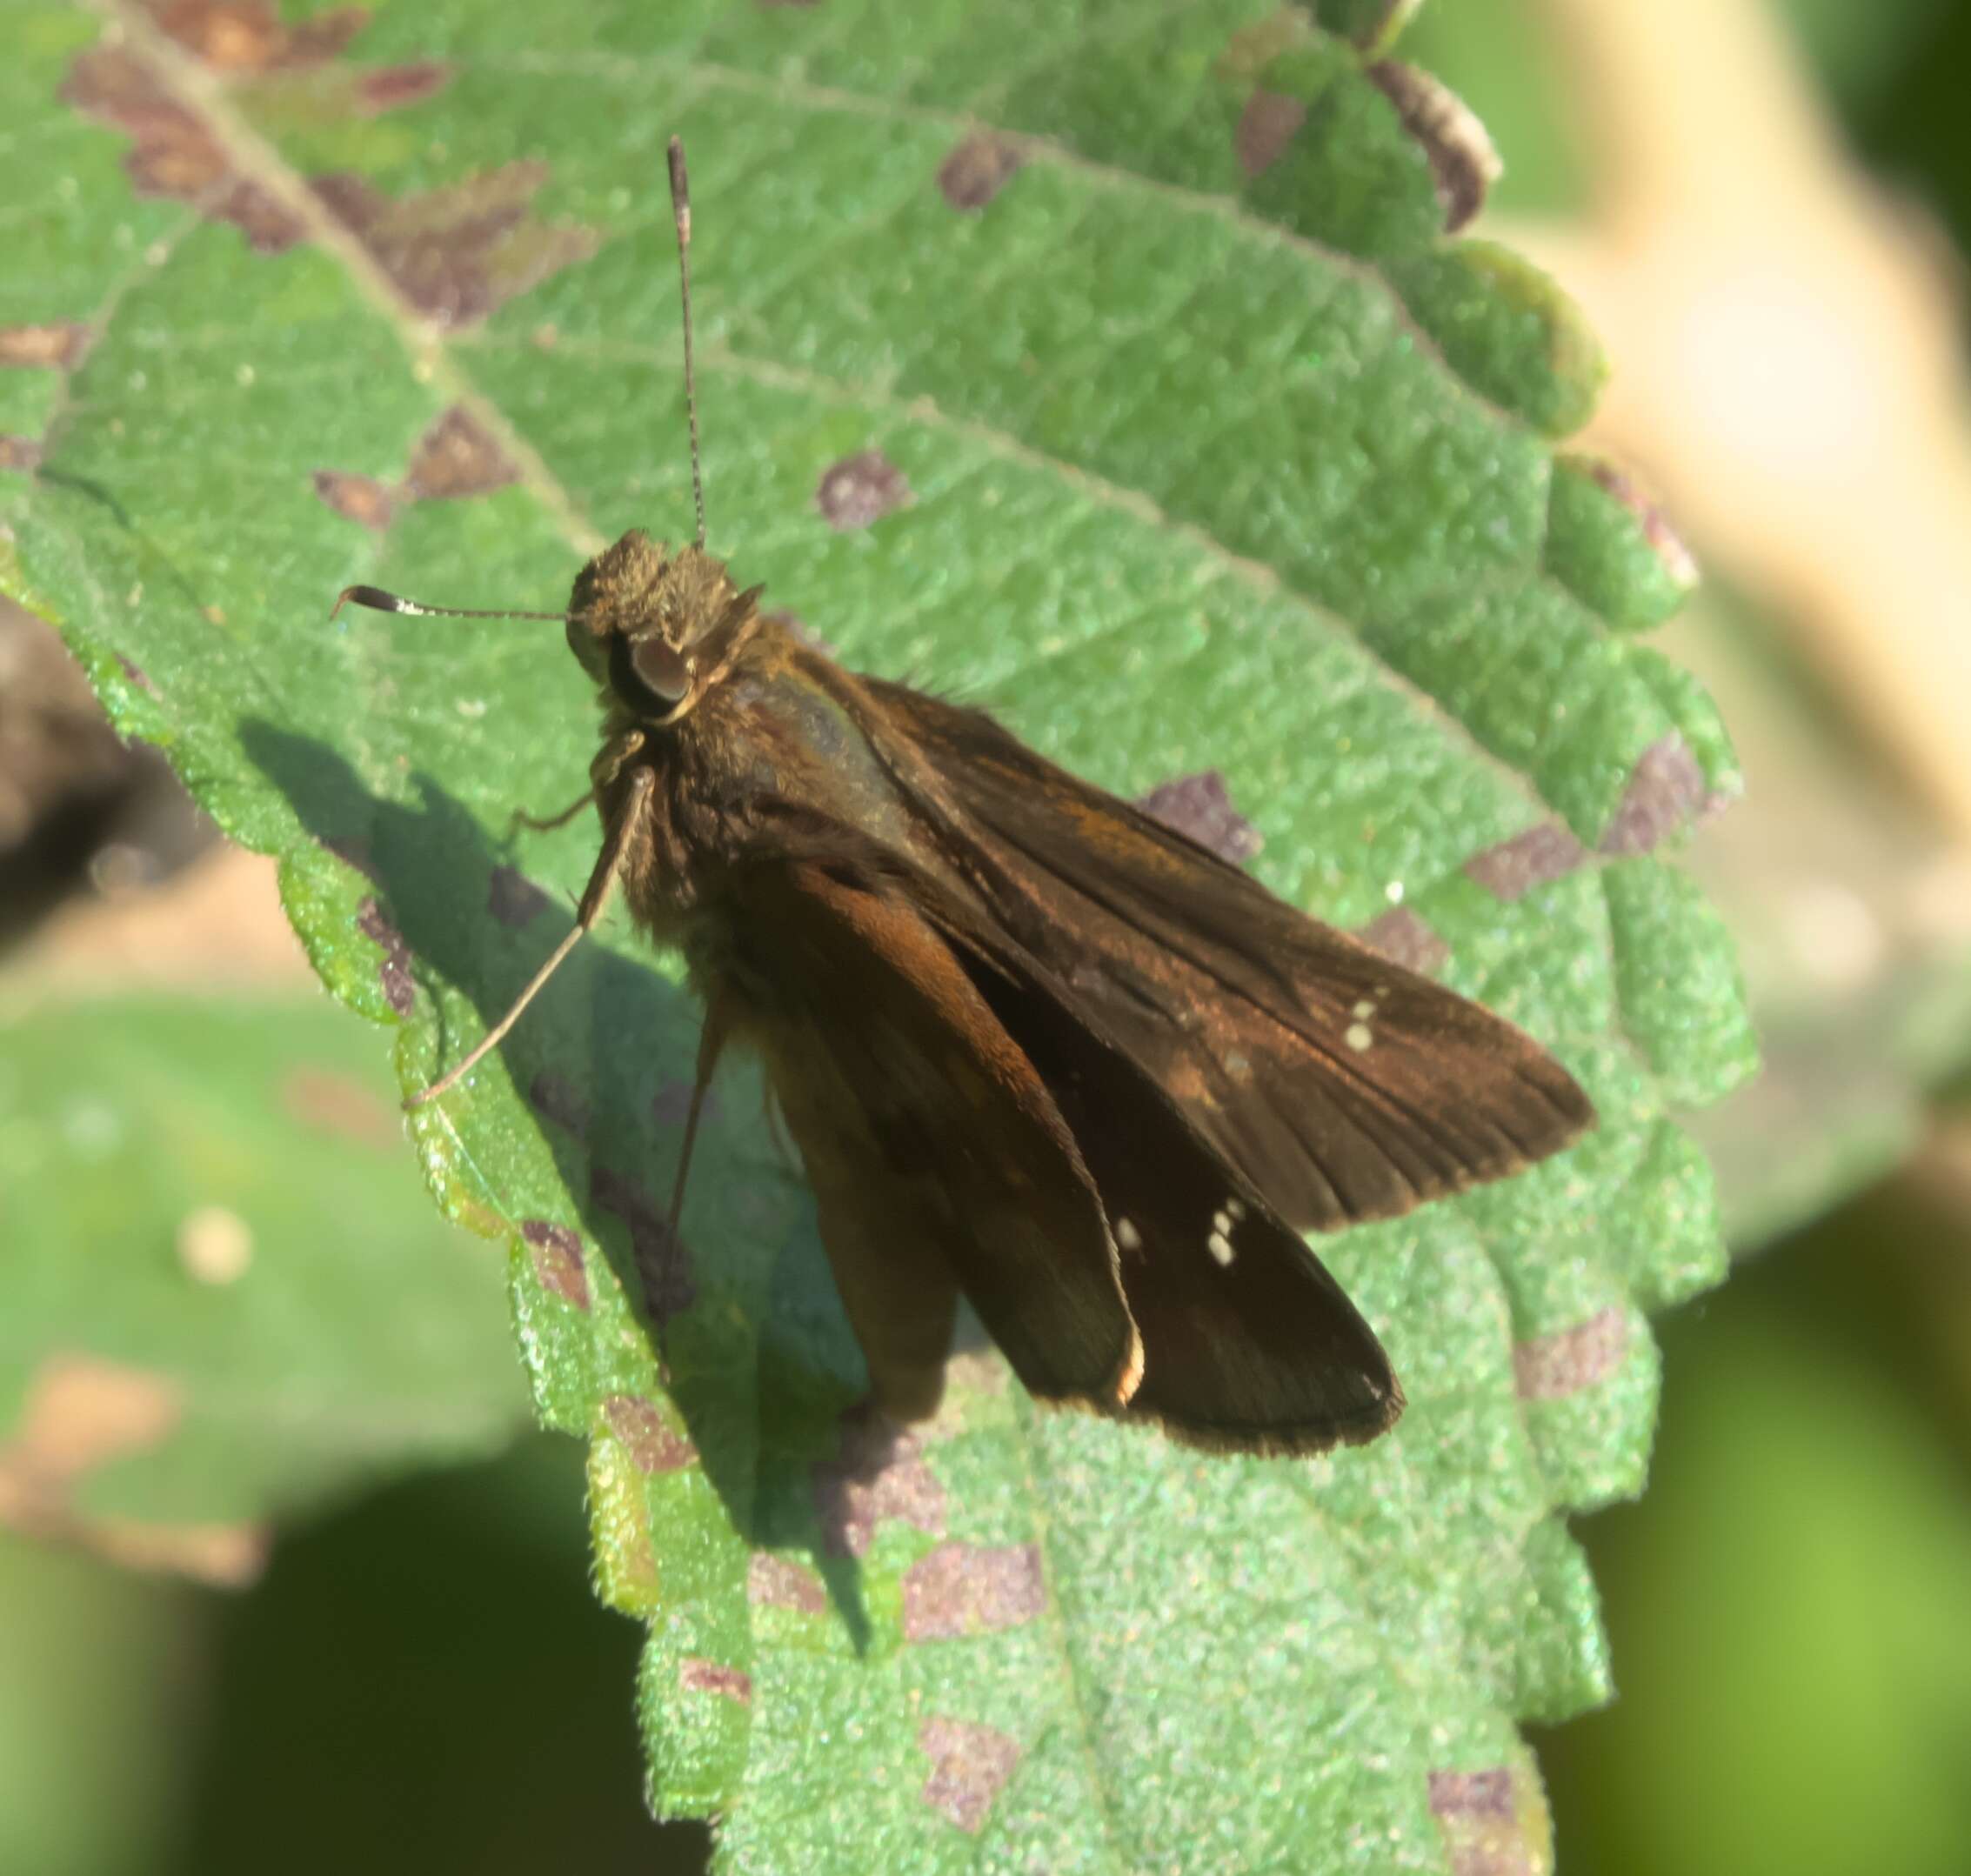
(1191,466)
(154,1730)
(227,1299)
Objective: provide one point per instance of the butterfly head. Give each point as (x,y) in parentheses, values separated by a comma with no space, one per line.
(658,629)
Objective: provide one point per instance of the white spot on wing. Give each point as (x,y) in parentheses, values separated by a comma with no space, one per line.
(1360,1036)
(1127,1236)
(1220,1247)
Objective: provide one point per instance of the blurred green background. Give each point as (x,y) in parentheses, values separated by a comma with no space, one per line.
(1790,1604)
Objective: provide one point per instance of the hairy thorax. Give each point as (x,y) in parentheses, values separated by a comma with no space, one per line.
(768,766)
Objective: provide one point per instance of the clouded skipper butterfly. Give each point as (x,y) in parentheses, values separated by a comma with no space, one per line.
(1036,1047)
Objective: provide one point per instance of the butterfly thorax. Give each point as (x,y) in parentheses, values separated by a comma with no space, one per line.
(755,742)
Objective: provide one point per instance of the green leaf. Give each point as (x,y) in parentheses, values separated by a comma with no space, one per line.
(1186,480)
(226,1298)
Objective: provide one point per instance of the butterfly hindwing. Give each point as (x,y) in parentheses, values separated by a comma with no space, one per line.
(884,1232)
(937,1154)
(1248,1343)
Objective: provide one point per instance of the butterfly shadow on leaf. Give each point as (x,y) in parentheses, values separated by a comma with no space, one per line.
(764,1368)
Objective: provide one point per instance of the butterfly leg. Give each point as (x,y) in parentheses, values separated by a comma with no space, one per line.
(711,1041)
(595,897)
(546,824)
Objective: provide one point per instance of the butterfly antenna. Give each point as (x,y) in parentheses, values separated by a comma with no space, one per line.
(379,601)
(681,213)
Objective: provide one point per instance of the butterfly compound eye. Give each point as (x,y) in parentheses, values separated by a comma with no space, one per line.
(657,666)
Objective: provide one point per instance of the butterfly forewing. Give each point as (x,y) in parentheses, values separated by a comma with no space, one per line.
(1341,1086)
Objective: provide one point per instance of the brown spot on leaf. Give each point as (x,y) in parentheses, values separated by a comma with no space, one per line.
(970,1764)
(335,1103)
(780,1583)
(80,1413)
(58,347)
(665,1266)
(1464,162)
(137,674)
(1665,789)
(1200,807)
(860,490)
(559,1100)
(19,453)
(459,252)
(1513,868)
(653,1444)
(1664,540)
(392,87)
(361,499)
(1551,1367)
(1471,1794)
(513,899)
(1269,123)
(223,1556)
(556,1254)
(247,36)
(1487,1831)
(965,1589)
(1404,937)
(713,1676)
(977,170)
(880,1473)
(457,457)
(173,154)
(393,971)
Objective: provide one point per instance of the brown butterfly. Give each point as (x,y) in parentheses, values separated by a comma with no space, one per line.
(1036,1048)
